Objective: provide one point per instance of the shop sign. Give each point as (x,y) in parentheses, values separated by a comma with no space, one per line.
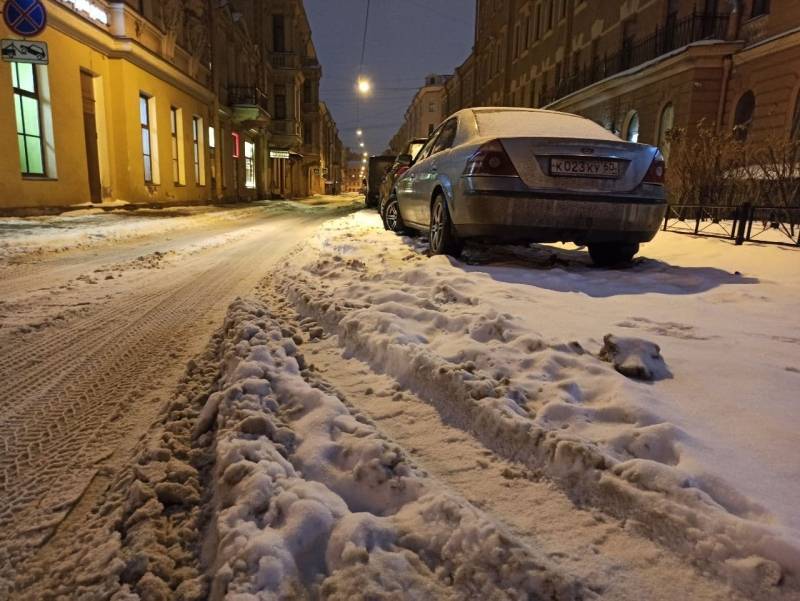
(91,9)
(24,51)
(26,18)
(279,154)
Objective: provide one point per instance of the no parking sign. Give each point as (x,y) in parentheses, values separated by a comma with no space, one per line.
(25,17)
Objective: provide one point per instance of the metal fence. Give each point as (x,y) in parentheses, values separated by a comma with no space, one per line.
(673,35)
(744,223)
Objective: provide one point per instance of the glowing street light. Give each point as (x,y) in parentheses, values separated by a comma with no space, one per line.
(361,144)
(366,154)
(359,133)
(364,86)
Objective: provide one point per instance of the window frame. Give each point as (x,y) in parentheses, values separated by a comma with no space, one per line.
(249,165)
(147,146)
(19,112)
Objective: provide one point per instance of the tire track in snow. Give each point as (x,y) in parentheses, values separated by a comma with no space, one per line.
(66,390)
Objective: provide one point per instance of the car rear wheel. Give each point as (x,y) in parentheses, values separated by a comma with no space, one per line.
(442,237)
(392,220)
(612,253)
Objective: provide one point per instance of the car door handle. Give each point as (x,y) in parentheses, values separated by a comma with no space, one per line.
(433,168)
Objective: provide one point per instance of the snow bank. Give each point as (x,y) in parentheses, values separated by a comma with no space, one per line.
(310,501)
(446,334)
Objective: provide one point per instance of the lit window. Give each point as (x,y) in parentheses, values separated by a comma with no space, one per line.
(147,146)
(212,138)
(249,165)
(26,107)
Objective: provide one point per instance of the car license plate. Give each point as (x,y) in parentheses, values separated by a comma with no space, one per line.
(583,167)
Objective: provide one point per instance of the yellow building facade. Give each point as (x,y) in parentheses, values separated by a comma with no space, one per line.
(121,112)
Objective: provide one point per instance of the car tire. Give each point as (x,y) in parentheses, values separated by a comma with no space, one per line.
(608,254)
(392,220)
(442,237)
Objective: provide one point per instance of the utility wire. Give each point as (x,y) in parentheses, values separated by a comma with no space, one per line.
(364,38)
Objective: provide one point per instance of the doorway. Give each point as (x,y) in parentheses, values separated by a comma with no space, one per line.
(90,135)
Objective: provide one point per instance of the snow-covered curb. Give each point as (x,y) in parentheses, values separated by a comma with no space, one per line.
(308,497)
(545,403)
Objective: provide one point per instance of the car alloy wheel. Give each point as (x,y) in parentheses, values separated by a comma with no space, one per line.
(391,215)
(437,227)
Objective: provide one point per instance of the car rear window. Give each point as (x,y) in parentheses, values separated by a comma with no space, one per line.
(539,124)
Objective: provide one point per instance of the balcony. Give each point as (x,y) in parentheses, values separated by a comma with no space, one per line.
(670,37)
(285,60)
(250,105)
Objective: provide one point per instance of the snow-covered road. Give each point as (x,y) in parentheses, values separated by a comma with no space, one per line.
(369,422)
(96,326)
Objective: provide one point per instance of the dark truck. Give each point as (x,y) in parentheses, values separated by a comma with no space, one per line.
(378,166)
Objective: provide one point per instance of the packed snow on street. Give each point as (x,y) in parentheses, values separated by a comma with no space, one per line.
(370,422)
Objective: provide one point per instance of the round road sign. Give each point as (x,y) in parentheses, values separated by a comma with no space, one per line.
(25,17)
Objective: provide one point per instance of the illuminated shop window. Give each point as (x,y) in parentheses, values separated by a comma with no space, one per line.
(249,165)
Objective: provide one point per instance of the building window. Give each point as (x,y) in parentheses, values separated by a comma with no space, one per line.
(308,134)
(760,7)
(537,28)
(147,142)
(308,96)
(29,119)
(280,106)
(743,116)
(550,14)
(432,107)
(278,34)
(526,32)
(795,132)
(198,151)
(665,124)
(632,127)
(212,138)
(249,165)
(176,135)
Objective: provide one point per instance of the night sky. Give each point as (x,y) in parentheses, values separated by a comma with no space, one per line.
(406,40)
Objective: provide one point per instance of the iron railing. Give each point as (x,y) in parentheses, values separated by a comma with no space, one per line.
(248,96)
(673,35)
(743,223)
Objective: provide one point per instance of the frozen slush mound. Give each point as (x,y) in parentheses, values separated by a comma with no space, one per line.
(311,501)
(634,358)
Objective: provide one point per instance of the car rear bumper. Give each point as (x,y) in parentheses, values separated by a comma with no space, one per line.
(557,218)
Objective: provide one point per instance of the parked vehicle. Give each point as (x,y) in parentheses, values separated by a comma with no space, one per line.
(528,175)
(400,166)
(376,170)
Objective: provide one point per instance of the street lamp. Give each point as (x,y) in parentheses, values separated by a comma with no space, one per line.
(361,144)
(366,154)
(364,86)
(359,133)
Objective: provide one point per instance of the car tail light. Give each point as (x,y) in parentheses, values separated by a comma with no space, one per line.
(658,170)
(491,159)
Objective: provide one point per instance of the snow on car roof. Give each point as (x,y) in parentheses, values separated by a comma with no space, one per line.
(522,122)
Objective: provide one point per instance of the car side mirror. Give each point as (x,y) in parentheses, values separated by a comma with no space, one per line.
(405,159)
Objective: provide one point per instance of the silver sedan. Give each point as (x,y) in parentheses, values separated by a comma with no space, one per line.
(527,175)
